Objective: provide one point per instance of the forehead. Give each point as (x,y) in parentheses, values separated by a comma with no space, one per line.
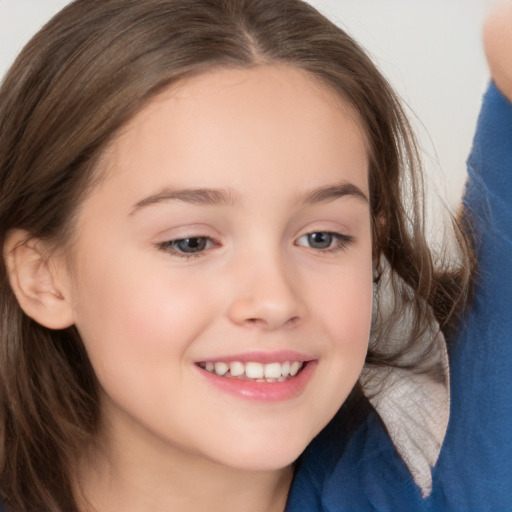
(258,120)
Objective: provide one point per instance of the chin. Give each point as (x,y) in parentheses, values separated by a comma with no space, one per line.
(270,463)
(272,454)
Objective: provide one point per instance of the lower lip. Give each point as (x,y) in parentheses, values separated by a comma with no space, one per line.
(263,391)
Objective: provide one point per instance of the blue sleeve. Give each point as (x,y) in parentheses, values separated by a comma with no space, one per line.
(474,472)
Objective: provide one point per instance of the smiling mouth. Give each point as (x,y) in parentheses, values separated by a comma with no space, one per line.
(254,371)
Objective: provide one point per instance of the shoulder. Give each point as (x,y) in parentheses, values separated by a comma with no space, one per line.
(354,467)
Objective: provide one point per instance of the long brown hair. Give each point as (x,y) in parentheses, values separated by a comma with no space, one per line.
(79,80)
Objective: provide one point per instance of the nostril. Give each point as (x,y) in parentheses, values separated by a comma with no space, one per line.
(293,321)
(266,322)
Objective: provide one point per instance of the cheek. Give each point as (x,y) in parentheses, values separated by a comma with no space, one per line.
(131,312)
(345,310)
(348,317)
(348,309)
(346,300)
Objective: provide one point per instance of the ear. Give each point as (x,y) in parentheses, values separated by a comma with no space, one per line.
(39,280)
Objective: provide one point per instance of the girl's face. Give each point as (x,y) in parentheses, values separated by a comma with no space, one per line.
(221,275)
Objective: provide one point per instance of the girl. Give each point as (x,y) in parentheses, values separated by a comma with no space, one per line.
(203,202)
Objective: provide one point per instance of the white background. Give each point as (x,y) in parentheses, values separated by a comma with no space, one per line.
(429,49)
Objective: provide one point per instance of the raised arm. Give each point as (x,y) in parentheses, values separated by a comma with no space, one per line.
(475,468)
(497,37)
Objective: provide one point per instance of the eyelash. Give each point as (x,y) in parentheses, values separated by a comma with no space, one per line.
(338,242)
(169,246)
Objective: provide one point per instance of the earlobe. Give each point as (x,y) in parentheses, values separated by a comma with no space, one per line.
(38,280)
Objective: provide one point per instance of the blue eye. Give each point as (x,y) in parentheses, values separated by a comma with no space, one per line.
(191,245)
(320,240)
(186,247)
(325,240)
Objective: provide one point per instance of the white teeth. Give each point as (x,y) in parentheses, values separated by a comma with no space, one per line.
(221,369)
(294,368)
(254,370)
(236,369)
(270,372)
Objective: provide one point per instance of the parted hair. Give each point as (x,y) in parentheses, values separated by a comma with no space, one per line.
(73,87)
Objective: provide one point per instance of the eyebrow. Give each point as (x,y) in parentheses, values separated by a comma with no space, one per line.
(199,196)
(332,192)
(220,197)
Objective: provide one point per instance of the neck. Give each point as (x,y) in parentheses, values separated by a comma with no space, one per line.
(117,476)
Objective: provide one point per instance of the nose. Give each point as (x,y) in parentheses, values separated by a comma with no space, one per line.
(267,295)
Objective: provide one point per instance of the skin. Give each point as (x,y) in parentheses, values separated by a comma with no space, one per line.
(267,137)
(497,38)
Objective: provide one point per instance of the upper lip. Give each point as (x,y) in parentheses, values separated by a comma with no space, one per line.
(280,356)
